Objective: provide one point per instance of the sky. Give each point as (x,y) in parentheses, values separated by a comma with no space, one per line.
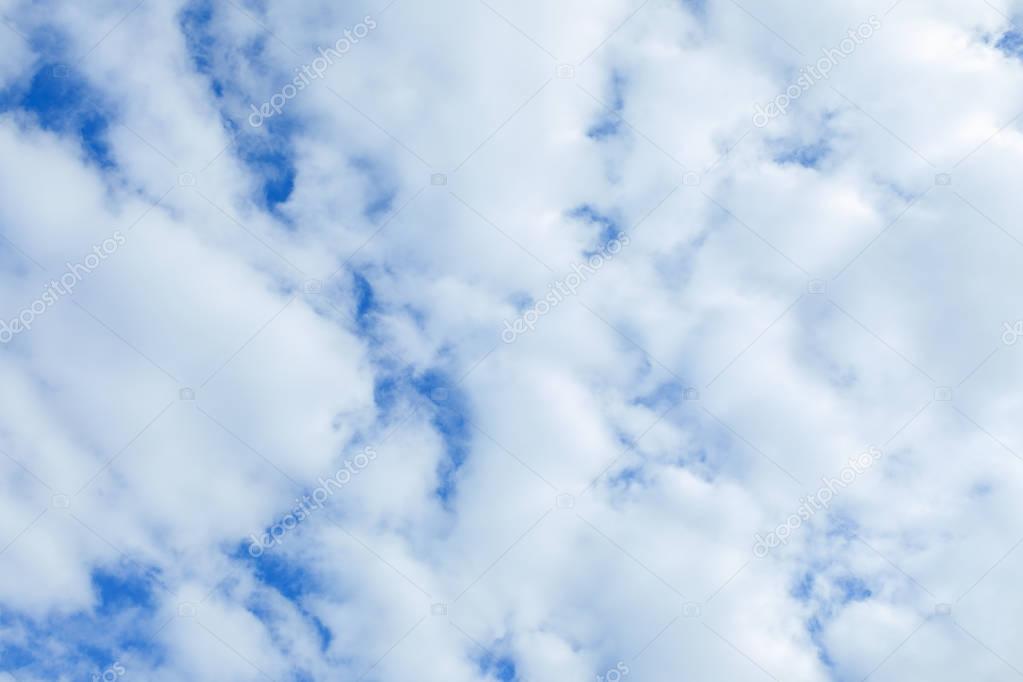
(518,340)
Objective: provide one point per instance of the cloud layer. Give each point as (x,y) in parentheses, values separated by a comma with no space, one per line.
(756,416)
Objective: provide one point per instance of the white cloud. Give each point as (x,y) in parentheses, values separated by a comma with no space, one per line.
(587,495)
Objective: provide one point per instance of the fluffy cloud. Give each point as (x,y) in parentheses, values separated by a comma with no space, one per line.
(206,323)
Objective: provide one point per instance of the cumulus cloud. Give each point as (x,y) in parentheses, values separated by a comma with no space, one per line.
(752,242)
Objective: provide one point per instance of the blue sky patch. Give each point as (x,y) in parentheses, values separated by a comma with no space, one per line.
(275,569)
(815,628)
(1011,43)
(663,396)
(450,409)
(365,301)
(608,228)
(62,102)
(268,152)
(853,589)
(499,667)
(271,158)
(195,20)
(381,189)
(807,156)
(118,590)
(803,589)
(435,391)
(121,623)
(609,123)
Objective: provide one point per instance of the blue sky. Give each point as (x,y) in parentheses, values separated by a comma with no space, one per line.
(510,341)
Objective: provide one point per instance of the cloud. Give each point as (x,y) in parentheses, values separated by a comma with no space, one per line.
(582,501)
